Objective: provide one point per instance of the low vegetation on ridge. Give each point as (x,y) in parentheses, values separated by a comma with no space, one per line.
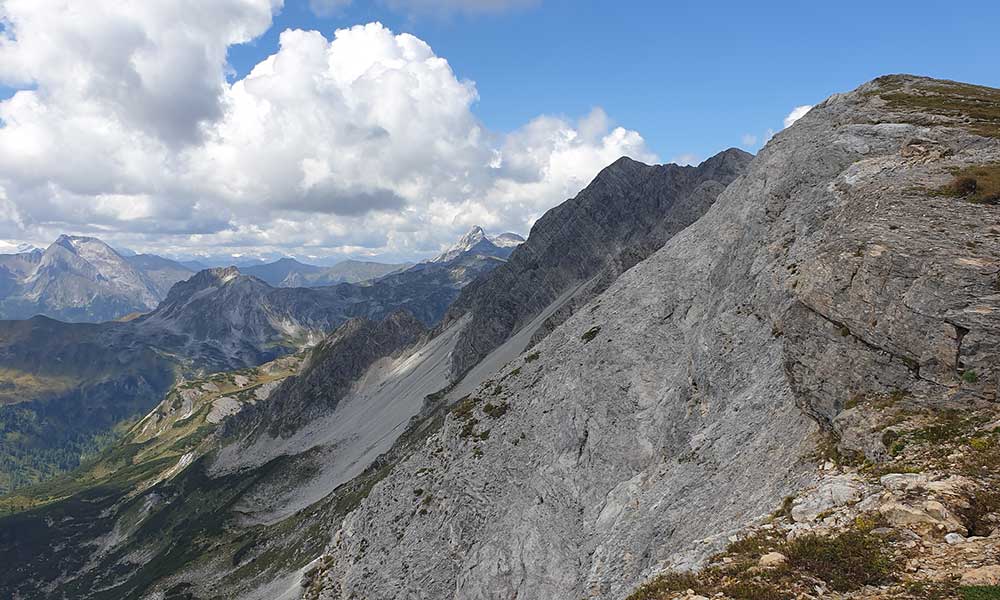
(923,520)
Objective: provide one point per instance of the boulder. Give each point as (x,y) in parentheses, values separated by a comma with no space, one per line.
(829,494)
(772,560)
(986,575)
(931,515)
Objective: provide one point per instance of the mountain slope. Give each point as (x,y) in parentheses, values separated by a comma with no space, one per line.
(288,272)
(629,210)
(66,386)
(673,408)
(83,279)
(367,393)
(161,273)
(277,272)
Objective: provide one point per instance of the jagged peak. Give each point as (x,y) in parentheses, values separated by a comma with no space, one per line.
(219,274)
(73,242)
(474,237)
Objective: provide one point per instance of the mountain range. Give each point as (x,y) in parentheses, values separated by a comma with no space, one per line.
(288,272)
(769,376)
(68,385)
(83,279)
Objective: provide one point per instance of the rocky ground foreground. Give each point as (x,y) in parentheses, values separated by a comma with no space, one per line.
(922,523)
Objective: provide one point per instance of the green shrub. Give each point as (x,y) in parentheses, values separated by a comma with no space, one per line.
(464,407)
(964,186)
(591,333)
(665,583)
(846,562)
(980,184)
(981,444)
(469,428)
(980,592)
(749,590)
(495,411)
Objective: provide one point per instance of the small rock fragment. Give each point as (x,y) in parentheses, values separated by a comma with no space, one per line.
(772,560)
(954,538)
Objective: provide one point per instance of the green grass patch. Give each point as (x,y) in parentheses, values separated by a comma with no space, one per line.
(976,107)
(847,561)
(980,592)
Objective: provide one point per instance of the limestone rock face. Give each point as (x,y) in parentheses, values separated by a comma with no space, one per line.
(623,216)
(81,279)
(333,366)
(672,407)
(830,493)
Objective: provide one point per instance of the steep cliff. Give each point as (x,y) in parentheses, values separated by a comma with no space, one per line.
(679,385)
(672,409)
(627,212)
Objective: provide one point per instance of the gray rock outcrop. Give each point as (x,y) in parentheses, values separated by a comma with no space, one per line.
(626,213)
(673,407)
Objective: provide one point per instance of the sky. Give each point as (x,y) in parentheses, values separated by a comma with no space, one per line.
(328,129)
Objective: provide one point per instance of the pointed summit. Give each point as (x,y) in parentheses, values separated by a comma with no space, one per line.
(473,241)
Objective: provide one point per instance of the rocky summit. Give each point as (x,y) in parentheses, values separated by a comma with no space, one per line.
(81,278)
(763,377)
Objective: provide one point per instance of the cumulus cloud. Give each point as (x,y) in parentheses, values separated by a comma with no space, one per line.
(365,143)
(686,159)
(748,140)
(797,113)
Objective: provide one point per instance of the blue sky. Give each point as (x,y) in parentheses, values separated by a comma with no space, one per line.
(691,77)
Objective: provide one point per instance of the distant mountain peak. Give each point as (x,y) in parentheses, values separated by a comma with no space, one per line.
(470,239)
(507,240)
(477,242)
(66,238)
(17,247)
(220,274)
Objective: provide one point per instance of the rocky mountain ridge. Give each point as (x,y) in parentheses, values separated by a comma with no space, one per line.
(66,383)
(83,279)
(689,397)
(476,240)
(628,211)
(626,418)
(288,272)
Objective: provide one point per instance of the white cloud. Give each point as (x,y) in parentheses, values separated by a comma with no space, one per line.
(797,113)
(748,140)
(686,160)
(365,143)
